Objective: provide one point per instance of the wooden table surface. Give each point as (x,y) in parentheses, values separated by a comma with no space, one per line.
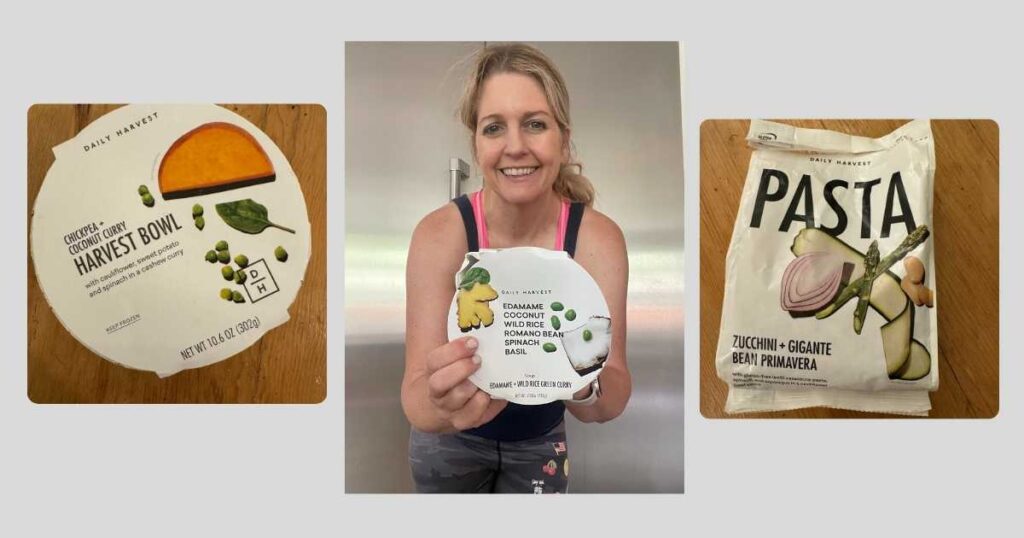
(287,365)
(966,232)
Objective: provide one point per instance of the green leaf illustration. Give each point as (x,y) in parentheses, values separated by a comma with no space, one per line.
(474,275)
(247,216)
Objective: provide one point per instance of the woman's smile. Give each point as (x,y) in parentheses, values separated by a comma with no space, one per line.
(520,173)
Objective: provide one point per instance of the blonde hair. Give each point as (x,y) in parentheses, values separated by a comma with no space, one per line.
(527,60)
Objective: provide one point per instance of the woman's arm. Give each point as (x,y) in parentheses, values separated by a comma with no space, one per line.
(601,250)
(437,395)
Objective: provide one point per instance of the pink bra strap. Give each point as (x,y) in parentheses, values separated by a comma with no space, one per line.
(478,213)
(563,221)
(477,201)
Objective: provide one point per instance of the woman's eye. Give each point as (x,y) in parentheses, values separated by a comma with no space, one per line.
(536,125)
(491,129)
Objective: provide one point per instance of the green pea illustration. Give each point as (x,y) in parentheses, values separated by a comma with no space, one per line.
(197,211)
(237,297)
(227,272)
(143,190)
(240,277)
(281,254)
(570,314)
(221,245)
(211,256)
(225,293)
(587,335)
(224,256)
(549,347)
(557,307)
(555,323)
(242,260)
(200,223)
(148,200)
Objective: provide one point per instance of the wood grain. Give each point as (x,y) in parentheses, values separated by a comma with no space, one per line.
(287,365)
(966,232)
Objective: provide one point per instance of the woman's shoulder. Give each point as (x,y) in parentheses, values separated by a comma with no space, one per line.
(441,232)
(599,235)
(442,220)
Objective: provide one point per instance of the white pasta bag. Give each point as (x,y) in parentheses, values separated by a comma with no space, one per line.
(830,277)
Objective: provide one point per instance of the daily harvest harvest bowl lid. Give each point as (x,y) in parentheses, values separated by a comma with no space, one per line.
(161,313)
(533,312)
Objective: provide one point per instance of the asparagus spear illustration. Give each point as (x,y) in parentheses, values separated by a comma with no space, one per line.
(852,290)
(870,272)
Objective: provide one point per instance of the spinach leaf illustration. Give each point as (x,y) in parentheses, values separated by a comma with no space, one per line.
(247,216)
(474,275)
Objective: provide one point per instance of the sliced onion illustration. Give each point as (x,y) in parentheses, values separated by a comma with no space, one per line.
(811,281)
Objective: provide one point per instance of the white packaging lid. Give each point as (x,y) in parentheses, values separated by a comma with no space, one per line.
(542,323)
(131,281)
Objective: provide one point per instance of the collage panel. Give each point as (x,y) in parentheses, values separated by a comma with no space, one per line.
(854,273)
(510,209)
(177,253)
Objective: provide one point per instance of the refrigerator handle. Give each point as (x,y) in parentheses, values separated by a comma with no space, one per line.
(459,172)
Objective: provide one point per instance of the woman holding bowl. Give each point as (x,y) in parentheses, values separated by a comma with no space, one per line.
(516,107)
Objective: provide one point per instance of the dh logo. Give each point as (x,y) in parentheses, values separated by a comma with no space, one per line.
(259,282)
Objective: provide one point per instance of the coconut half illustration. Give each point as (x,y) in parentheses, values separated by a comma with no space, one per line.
(587,345)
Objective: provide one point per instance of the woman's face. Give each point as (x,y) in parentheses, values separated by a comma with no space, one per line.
(519,147)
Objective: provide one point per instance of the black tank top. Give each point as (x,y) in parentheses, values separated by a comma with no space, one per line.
(518,422)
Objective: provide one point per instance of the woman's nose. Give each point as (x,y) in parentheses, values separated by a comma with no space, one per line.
(514,143)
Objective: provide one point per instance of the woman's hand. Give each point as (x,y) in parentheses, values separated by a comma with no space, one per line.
(437,395)
(583,393)
(455,398)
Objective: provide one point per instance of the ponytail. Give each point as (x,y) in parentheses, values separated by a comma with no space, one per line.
(573,185)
